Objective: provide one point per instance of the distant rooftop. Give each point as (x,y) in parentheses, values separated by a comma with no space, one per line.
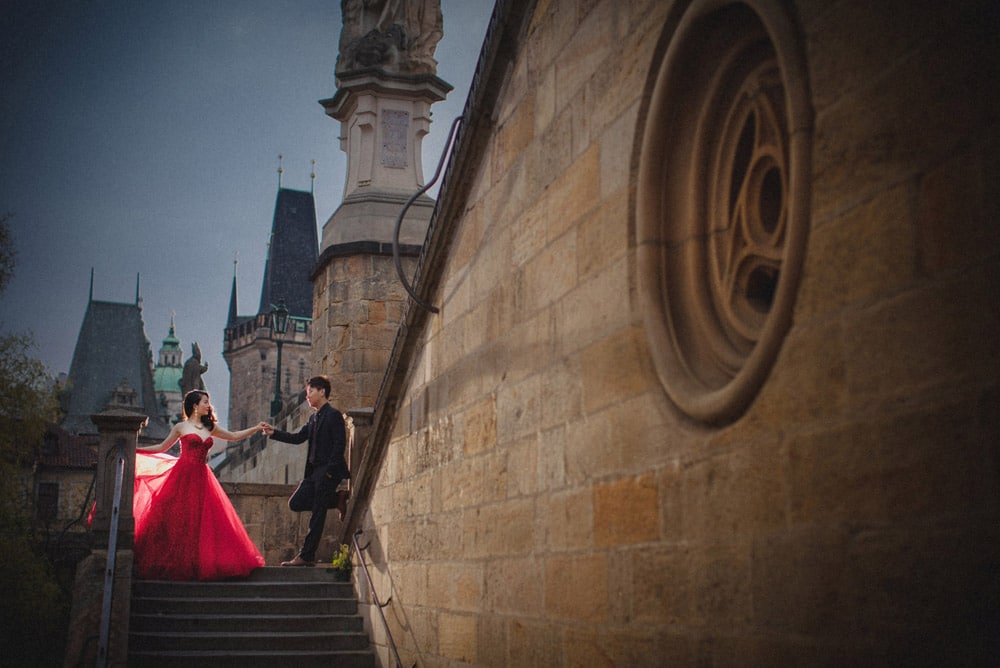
(292,254)
(111,349)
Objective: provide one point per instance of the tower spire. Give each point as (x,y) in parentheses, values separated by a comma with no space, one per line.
(90,297)
(280,169)
(312,179)
(233,309)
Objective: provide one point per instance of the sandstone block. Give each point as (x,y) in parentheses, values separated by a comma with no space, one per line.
(457,636)
(587,450)
(867,253)
(576,191)
(530,643)
(480,426)
(552,273)
(589,46)
(576,588)
(614,368)
(454,586)
(462,484)
(551,459)
(626,511)
(567,521)
(498,530)
(512,587)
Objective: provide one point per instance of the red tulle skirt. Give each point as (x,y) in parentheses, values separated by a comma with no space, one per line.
(185,526)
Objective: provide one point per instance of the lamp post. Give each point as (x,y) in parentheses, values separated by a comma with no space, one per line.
(279,325)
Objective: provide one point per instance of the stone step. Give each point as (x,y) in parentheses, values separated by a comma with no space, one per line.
(215,659)
(150,622)
(160,641)
(276,616)
(292,574)
(162,589)
(241,605)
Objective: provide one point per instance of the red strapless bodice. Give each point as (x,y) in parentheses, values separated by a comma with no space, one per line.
(193,447)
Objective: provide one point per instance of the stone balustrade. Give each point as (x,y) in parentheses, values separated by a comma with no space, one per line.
(275,530)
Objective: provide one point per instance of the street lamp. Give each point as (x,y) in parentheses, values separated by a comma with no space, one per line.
(279,325)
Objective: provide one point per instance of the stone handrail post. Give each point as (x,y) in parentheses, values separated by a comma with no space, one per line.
(117,427)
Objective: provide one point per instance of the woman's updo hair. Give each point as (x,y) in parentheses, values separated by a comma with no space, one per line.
(192,399)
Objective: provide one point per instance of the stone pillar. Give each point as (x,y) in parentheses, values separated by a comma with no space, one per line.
(383,118)
(118,428)
(358,301)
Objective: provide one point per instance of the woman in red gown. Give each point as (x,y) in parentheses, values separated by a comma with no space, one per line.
(185,526)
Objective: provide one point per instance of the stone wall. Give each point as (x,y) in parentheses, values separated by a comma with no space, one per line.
(545,502)
(277,531)
(259,459)
(357,307)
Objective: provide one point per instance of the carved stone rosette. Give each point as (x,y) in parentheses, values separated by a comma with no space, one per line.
(722,209)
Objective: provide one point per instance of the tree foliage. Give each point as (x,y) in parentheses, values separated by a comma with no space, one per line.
(34,613)
(27,400)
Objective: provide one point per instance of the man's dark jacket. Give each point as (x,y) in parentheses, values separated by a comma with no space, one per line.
(327,436)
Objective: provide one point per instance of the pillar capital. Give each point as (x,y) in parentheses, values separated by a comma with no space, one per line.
(384,118)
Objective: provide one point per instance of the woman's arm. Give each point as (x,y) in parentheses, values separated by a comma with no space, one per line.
(165,444)
(237,435)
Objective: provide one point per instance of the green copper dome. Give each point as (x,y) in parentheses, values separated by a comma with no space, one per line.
(167,379)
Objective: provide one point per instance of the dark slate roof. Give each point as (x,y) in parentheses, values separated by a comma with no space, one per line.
(64,450)
(234,317)
(292,253)
(112,347)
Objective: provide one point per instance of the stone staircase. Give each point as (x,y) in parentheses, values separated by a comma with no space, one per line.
(277,617)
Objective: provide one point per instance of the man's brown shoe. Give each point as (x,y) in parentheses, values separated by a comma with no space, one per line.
(298,561)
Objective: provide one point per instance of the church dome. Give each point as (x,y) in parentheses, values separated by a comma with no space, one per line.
(167,379)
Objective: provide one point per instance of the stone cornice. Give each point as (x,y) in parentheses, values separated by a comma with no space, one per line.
(359,248)
(424,86)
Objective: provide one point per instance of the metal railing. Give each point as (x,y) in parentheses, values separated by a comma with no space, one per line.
(109,571)
(371,588)
(399,221)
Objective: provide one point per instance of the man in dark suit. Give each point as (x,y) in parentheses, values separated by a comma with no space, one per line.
(325,464)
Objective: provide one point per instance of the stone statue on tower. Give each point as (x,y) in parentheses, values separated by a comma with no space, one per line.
(396,36)
(193,369)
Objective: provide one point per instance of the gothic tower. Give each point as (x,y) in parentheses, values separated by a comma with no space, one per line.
(386,83)
(251,345)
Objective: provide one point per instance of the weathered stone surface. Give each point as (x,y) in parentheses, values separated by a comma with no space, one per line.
(626,512)
(576,588)
(457,636)
(544,500)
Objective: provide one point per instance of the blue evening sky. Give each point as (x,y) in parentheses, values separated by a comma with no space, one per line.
(143,138)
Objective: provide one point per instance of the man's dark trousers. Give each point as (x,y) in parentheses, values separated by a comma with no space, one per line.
(315,494)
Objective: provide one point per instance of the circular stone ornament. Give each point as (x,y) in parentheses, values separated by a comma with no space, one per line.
(722,201)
